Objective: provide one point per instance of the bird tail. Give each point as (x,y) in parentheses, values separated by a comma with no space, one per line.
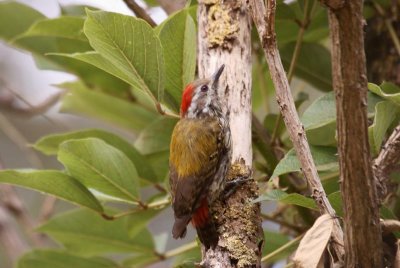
(208,235)
(179,229)
(206,230)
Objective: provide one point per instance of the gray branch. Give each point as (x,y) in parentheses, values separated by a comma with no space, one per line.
(386,162)
(264,19)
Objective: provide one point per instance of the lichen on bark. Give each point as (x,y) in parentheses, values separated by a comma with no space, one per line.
(225,38)
(221,28)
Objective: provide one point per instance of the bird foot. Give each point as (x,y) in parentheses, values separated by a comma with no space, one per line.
(232,185)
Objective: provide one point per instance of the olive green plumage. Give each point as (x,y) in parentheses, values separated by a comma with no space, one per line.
(199,158)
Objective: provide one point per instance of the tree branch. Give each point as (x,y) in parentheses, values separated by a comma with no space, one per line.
(16,137)
(389,226)
(224,37)
(16,208)
(264,19)
(386,162)
(358,190)
(140,12)
(10,241)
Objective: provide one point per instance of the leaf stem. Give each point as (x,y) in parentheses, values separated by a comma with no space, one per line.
(180,250)
(165,113)
(154,205)
(281,249)
(283,223)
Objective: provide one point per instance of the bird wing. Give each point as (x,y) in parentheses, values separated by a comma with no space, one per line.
(193,162)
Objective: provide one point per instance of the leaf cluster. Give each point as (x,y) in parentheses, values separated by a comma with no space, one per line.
(131,76)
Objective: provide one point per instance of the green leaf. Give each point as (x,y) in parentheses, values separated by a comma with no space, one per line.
(178,39)
(286,32)
(16,18)
(65,35)
(313,64)
(387,91)
(385,113)
(101,167)
(49,145)
(139,220)
(188,258)
(75,10)
(131,46)
(284,12)
(324,157)
(64,27)
(318,29)
(336,201)
(159,162)
(321,112)
(59,259)
(156,136)
(319,119)
(82,101)
(86,233)
(54,183)
(290,199)
(97,60)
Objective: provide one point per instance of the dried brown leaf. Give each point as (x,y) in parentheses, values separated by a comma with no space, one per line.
(314,242)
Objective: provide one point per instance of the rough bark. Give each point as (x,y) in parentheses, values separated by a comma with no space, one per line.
(224,38)
(264,20)
(363,242)
(387,160)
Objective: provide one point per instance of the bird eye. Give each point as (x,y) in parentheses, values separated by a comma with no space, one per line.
(204,88)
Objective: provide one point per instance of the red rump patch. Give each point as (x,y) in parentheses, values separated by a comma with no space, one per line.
(186,98)
(200,217)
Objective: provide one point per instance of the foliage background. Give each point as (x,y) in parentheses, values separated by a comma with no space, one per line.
(119,97)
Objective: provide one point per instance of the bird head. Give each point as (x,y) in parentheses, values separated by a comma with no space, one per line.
(200,98)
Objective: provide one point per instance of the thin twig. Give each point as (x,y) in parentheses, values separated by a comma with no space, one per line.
(10,240)
(389,26)
(264,19)
(180,250)
(47,208)
(282,223)
(154,205)
(8,103)
(282,248)
(16,137)
(14,205)
(303,27)
(140,12)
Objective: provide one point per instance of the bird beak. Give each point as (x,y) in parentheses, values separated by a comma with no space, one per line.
(216,75)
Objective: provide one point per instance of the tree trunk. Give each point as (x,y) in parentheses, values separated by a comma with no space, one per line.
(225,38)
(363,242)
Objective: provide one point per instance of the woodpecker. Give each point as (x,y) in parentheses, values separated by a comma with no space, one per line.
(200,154)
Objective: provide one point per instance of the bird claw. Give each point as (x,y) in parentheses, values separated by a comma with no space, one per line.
(232,185)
